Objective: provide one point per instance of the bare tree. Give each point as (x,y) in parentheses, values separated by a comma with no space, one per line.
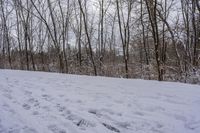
(124,28)
(6,38)
(88,36)
(152,11)
(121,38)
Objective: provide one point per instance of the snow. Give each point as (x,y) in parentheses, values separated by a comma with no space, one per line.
(39,102)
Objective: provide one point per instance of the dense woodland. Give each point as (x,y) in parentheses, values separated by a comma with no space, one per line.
(147,39)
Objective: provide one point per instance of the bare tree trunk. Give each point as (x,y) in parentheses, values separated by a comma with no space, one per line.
(65,28)
(152,10)
(125,36)
(30,39)
(19,34)
(195,54)
(55,36)
(143,34)
(79,40)
(102,33)
(164,19)
(88,37)
(6,34)
(198,5)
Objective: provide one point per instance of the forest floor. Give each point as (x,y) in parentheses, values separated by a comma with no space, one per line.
(39,102)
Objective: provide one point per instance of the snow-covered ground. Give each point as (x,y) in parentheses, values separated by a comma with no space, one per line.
(38,102)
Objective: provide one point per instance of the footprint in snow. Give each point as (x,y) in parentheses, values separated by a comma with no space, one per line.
(125,125)
(35,113)
(7,90)
(60,107)
(95,112)
(8,96)
(56,129)
(29,130)
(7,108)
(46,108)
(33,102)
(16,81)
(179,117)
(61,95)
(79,101)
(47,97)
(112,128)
(27,93)
(84,123)
(10,85)
(26,106)
(193,125)
(139,113)
(66,113)
(11,130)
(80,122)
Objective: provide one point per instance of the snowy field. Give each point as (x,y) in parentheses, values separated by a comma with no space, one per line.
(38,102)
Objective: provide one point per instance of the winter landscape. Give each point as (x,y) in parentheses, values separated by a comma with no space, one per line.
(99,66)
(39,102)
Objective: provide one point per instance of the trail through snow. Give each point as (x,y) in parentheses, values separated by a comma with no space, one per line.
(39,102)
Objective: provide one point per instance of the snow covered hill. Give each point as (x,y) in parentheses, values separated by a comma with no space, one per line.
(38,102)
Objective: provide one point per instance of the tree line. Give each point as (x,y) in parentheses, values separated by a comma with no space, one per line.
(148,39)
